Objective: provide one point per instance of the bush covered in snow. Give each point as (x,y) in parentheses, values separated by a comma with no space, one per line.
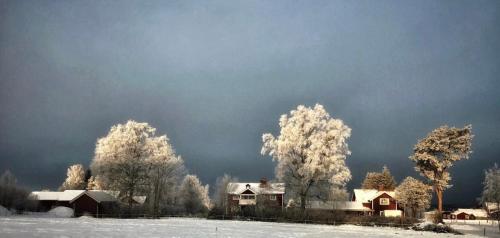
(438,228)
(64,212)
(4,211)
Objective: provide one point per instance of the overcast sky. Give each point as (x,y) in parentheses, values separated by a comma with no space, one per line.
(215,75)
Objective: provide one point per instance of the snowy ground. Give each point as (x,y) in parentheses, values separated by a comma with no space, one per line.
(23,226)
(476,227)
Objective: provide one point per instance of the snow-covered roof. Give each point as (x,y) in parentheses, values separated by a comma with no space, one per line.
(71,195)
(45,195)
(257,188)
(365,195)
(475,212)
(337,205)
(101,195)
(491,206)
(139,199)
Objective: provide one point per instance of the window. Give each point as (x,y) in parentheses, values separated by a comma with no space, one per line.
(236,197)
(247,196)
(272,197)
(384,201)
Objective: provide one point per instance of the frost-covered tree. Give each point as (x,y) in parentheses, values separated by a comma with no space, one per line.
(383,180)
(437,152)
(165,169)
(95,183)
(339,194)
(12,195)
(132,160)
(75,178)
(121,158)
(193,195)
(311,150)
(491,190)
(414,195)
(220,195)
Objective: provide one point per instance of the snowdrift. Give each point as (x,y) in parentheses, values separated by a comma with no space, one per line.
(65,212)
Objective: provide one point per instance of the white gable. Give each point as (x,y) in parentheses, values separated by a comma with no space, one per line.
(366,195)
(270,188)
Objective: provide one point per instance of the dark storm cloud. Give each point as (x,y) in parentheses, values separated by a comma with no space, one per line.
(216,75)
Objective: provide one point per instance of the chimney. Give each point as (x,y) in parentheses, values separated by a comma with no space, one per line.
(263,182)
(381,187)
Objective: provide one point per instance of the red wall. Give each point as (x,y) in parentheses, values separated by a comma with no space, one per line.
(461,216)
(377,207)
(84,204)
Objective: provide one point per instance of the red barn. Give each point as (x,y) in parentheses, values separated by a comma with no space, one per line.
(469,214)
(248,195)
(82,202)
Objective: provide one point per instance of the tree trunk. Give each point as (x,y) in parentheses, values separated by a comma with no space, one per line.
(303,202)
(439,193)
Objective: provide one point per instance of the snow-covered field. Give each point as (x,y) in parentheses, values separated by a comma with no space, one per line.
(23,226)
(476,227)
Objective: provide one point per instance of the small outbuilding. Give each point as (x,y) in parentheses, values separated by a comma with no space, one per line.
(469,214)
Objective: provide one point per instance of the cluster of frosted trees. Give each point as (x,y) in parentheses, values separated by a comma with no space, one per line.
(133,161)
(310,150)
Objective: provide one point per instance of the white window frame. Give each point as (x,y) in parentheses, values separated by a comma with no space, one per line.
(273,197)
(384,201)
(248,197)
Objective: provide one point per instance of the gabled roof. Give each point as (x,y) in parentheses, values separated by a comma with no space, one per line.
(475,212)
(72,195)
(45,195)
(257,188)
(366,195)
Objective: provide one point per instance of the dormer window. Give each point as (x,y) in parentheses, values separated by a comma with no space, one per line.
(248,186)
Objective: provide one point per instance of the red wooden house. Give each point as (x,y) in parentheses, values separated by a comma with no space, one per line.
(380,203)
(363,202)
(248,195)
